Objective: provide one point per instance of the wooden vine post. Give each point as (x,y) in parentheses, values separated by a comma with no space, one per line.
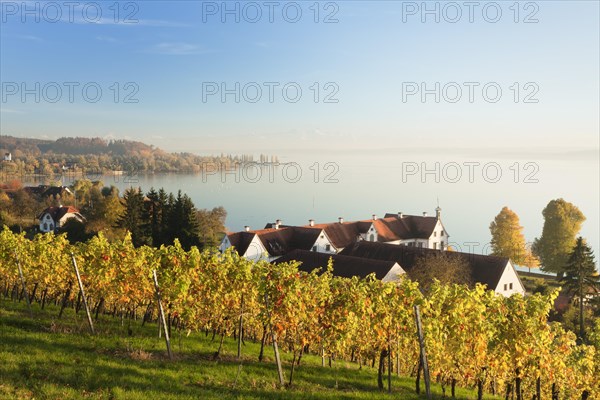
(23,284)
(240,329)
(275,347)
(423,352)
(161,311)
(389,377)
(83,297)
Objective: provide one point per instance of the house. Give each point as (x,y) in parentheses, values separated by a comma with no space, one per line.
(497,273)
(57,192)
(277,239)
(45,191)
(272,243)
(53,218)
(345,266)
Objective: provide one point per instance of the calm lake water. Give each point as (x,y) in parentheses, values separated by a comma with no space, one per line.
(471,188)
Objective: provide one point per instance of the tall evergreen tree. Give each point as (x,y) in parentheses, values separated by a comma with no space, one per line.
(562,222)
(157,208)
(135,217)
(581,278)
(184,221)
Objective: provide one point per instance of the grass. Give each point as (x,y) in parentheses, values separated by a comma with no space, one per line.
(46,358)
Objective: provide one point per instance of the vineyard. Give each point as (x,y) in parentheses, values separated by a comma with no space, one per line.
(473,338)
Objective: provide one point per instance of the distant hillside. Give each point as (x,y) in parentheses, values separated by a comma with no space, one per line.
(75,146)
(48,157)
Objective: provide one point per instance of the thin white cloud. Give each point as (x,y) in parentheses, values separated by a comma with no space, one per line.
(31,38)
(108,39)
(11,111)
(100,14)
(177,49)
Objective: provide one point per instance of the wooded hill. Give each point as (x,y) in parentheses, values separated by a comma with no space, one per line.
(41,156)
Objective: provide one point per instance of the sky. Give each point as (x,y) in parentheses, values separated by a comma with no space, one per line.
(303,76)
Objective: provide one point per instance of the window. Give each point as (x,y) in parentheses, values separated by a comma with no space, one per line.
(420,244)
(328,247)
(442,245)
(322,237)
(434,234)
(51,226)
(314,248)
(505,287)
(442,233)
(435,246)
(45,226)
(510,286)
(372,238)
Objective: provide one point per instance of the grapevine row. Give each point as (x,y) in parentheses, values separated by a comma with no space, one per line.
(474,338)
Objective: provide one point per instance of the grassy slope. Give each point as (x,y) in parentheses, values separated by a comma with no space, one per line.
(47,358)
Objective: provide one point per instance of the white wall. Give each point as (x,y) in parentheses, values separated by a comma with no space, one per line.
(509,276)
(67,217)
(225,244)
(438,238)
(415,243)
(394,274)
(322,242)
(256,251)
(47,219)
(371,231)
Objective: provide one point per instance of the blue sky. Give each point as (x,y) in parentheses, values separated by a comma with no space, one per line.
(171,50)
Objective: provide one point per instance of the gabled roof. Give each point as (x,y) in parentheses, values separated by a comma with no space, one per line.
(240,241)
(410,226)
(483,269)
(341,234)
(56,191)
(344,266)
(277,242)
(58,212)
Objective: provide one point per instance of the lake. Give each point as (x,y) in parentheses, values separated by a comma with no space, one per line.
(470,185)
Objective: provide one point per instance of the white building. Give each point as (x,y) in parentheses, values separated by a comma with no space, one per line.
(497,273)
(54,218)
(387,246)
(331,238)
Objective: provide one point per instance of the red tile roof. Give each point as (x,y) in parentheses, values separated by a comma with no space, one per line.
(58,212)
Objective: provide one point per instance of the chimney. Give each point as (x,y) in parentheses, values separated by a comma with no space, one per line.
(341,220)
(247,228)
(311,222)
(424,213)
(400,215)
(277,224)
(438,212)
(374,217)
